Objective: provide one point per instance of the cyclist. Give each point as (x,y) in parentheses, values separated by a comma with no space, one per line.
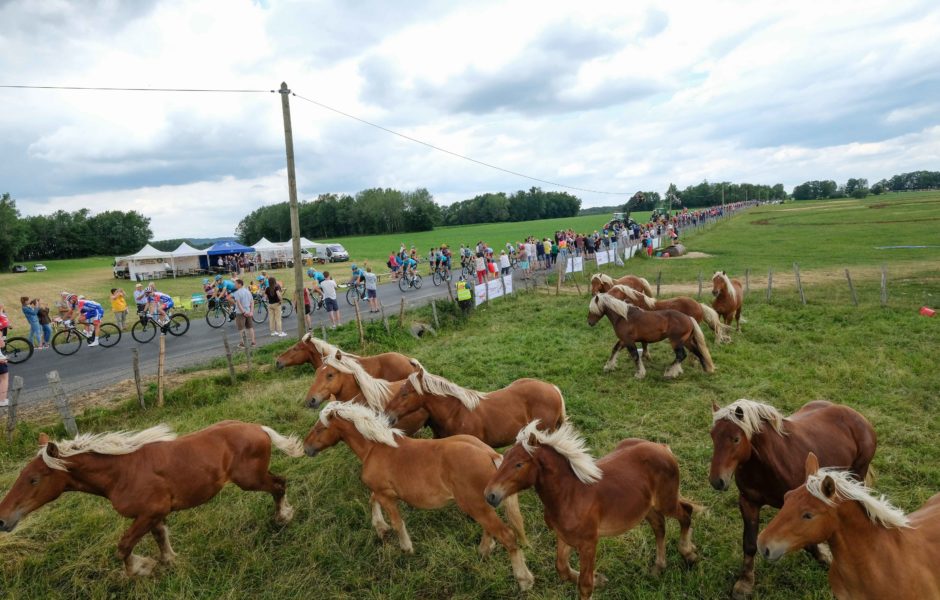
(161,302)
(359,278)
(263,281)
(445,260)
(225,289)
(409,267)
(309,300)
(87,312)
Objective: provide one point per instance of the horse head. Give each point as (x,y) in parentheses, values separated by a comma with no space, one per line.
(298,354)
(329,381)
(406,400)
(731,447)
(37,485)
(517,471)
(600,283)
(719,283)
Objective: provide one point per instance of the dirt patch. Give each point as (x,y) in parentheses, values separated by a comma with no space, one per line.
(688,255)
(879,205)
(761,222)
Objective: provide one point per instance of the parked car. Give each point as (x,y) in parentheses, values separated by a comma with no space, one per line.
(39,267)
(121,271)
(20,269)
(336,253)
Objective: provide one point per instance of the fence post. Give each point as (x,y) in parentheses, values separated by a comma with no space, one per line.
(384,318)
(659,280)
(558,283)
(62,403)
(770,283)
(699,285)
(160,362)
(450,290)
(884,285)
(362,337)
(246,342)
(228,356)
(747,281)
(437,324)
(851,288)
(401,314)
(323,331)
(140,389)
(799,284)
(11,410)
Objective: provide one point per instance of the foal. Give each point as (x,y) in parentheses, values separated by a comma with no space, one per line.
(423,473)
(877,551)
(585,500)
(697,310)
(767,462)
(148,474)
(493,417)
(729,296)
(601,282)
(390,366)
(632,325)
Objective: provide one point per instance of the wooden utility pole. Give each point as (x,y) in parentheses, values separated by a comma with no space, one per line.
(294,213)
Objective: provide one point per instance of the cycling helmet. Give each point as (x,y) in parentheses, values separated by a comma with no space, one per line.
(71,299)
(354,267)
(218,278)
(311,272)
(260,277)
(205,281)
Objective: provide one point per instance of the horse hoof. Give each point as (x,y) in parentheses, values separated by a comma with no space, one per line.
(285,515)
(409,549)
(600,580)
(381,532)
(657,570)
(168,558)
(526,582)
(140,566)
(690,558)
(640,375)
(742,589)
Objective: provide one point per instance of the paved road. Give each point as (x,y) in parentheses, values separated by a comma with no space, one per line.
(94,368)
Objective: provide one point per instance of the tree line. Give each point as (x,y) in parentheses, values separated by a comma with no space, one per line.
(522,205)
(65,234)
(704,194)
(859,188)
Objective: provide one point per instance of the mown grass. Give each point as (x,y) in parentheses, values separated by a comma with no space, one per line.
(882,362)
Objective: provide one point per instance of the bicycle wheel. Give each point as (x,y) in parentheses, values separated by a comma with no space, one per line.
(179,324)
(260,313)
(287,308)
(437,278)
(216,317)
(403,283)
(351,293)
(18,349)
(143,331)
(417,282)
(109,335)
(67,342)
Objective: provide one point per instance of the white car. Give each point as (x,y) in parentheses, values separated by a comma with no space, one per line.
(39,267)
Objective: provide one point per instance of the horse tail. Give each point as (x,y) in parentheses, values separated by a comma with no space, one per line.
(692,507)
(647,288)
(714,323)
(702,346)
(564,415)
(870,476)
(290,445)
(514,515)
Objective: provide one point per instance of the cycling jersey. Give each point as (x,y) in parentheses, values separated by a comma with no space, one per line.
(410,263)
(318,276)
(165,300)
(227,286)
(91,310)
(359,275)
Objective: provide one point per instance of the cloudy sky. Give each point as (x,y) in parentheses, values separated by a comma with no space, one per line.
(611,96)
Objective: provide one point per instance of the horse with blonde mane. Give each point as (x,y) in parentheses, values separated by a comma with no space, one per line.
(765,453)
(697,310)
(346,380)
(877,551)
(729,297)
(601,282)
(146,475)
(633,324)
(493,417)
(423,473)
(586,499)
(390,366)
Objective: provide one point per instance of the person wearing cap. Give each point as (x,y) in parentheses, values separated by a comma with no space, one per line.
(119,307)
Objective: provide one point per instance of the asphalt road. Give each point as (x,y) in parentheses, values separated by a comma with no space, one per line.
(97,367)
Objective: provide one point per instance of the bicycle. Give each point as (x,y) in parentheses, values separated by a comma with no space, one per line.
(17,350)
(69,340)
(219,312)
(353,289)
(408,281)
(440,275)
(145,329)
(260,314)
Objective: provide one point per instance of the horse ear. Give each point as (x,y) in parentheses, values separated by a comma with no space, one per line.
(828,487)
(812,464)
(739,413)
(715,407)
(723,273)
(52,450)
(533,441)
(339,355)
(43,439)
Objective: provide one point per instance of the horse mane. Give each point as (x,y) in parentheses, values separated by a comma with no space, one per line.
(567,442)
(376,391)
(728,285)
(324,347)
(604,301)
(373,426)
(603,278)
(636,296)
(112,443)
(435,385)
(754,414)
(879,510)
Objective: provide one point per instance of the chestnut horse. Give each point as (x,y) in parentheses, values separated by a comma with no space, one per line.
(729,296)
(146,475)
(585,500)
(423,473)
(632,325)
(697,310)
(601,282)
(346,380)
(768,462)
(493,417)
(391,366)
(877,551)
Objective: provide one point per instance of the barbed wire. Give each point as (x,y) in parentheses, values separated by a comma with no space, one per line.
(133,89)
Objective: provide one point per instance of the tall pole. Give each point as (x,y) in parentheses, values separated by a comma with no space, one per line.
(294,213)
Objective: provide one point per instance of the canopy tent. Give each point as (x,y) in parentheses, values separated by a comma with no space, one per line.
(147,263)
(269,251)
(228,247)
(187,260)
(185,250)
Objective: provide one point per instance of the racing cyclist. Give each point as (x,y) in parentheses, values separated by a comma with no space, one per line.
(162,303)
(409,267)
(87,312)
(359,278)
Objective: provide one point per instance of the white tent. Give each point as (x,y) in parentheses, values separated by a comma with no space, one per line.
(147,263)
(186,258)
(269,251)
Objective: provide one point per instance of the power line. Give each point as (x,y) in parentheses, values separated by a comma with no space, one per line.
(456,154)
(130,89)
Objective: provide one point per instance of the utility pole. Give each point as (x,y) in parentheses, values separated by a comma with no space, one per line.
(294,213)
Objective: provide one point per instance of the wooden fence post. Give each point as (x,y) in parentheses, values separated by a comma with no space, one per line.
(362,336)
(323,331)
(11,410)
(884,285)
(699,285)
(799,284)
(558,283)
(437,323)
(401,314)
(384,318)
(62,403)
(770,283)
(747,281)
(246,342)
(659,280)
(135,353)
(161,357)
(851,288)
(450,290)
(228,356)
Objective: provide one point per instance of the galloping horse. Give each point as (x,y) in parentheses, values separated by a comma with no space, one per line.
(146,475)
(346,380)
(632,325)
(585,500)
(729,296)
(766,464)
(493,417)
(697,310)
(390,366)
(423,473)
(601,282)
(877,551)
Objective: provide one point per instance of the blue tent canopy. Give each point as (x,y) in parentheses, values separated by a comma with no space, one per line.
(220,248)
